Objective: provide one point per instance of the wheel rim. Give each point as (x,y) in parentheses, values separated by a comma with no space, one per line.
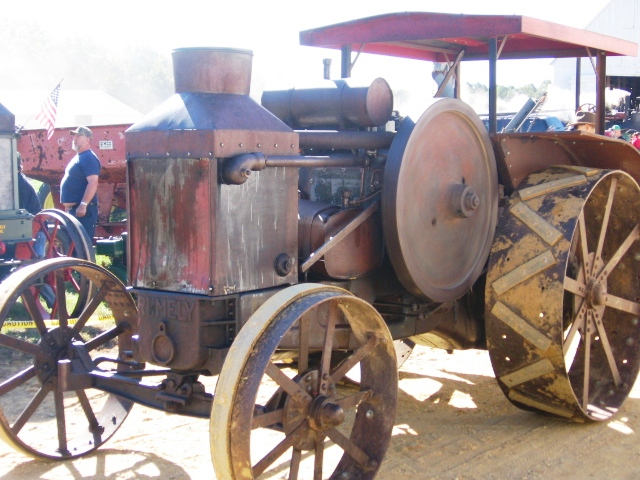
(54,224)
(37,416)
(563,294)
(306,403)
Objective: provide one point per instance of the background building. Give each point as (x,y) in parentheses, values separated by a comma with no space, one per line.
(621,19)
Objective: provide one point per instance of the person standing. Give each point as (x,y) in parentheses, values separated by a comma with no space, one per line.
(27,196)
(80,182)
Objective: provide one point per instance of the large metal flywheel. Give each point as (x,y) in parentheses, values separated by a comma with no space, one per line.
(563,293)
(440,201)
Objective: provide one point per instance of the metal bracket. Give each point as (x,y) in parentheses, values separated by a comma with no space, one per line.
(333,241)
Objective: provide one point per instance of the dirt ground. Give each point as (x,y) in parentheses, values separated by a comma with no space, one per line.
(453,422)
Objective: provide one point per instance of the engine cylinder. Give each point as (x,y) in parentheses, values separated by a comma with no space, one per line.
(337,106)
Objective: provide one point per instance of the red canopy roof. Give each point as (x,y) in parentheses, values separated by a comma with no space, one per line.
(429,36)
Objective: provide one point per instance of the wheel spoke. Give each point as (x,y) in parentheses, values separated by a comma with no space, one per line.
(575,287)
(606,346)
(17,380)
(294,467)
(267,419)
(353,359)
(584,249)
(352,401)
(622,304)
(274,454)
(328,346)
(51,237)
(91,307)
(61,299)
(576,325)
(94,425)
(318,457)
(287,384)
(622,250)
(586,341)
(605,218)
(349,447)
(30,409)
(74,283)
(103,338)
(58,398)
(32,307)
(19,345)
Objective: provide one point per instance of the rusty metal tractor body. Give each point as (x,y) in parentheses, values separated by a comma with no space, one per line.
(290,245)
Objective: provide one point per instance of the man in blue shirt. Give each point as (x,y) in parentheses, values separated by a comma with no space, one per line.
(80,182)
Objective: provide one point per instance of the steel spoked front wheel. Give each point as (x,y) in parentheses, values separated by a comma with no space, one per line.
(279,406)
(43,412)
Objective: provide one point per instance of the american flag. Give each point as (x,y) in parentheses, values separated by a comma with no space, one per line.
(47,115)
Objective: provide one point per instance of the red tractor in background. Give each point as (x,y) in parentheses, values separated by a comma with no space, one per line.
(27,238)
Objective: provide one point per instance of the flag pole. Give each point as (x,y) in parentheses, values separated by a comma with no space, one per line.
(41,108)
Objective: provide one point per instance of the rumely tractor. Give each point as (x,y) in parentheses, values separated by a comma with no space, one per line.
(290,249)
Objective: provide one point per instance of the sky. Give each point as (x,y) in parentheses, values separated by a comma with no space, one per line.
(271,28)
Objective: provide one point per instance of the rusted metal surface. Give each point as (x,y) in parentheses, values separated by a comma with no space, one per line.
(227,245)
(338,106)
(438,37)
(211,113)
(310,405)
(440,202)
(560,309)
(519,155)
(212,70)
(345,140)
(45,160)
(187,231)
(359,253)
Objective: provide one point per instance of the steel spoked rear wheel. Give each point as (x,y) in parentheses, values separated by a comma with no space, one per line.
(39,414)
(277,408)
(563,293)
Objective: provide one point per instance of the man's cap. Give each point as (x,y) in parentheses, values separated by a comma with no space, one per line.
(615,127)
(82,131)
(584,117)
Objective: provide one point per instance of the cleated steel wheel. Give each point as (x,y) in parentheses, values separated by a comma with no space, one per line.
(563,293)
(39,415)
(276,407)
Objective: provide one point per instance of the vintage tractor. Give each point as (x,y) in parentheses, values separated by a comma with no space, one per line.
(288,251)
(27,238)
